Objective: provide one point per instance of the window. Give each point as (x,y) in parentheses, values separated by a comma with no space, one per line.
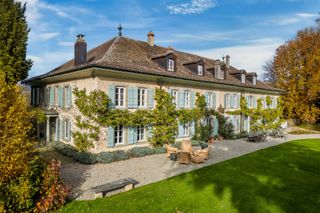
(200,70)
(218,73)
(35,96)
(170,65)
(187,98)
(119,96)
(186,129)
(118,135)
(264,104)
(210,99)
(174,94)
(67,129)
(243,78)
(67,96)
(56,95)
(254,80)
(142,97)
(140,133)
(227,101)
(250,102)
(235,101)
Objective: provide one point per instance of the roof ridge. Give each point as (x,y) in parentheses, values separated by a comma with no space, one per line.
(109,49)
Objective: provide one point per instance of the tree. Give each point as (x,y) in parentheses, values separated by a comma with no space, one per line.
(296,69)
(13,41)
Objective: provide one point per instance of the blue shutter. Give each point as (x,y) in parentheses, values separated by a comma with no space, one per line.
(247,100)
(110,138)
(206,96)
(170,91)
(135,97)
(130,135)
(62,129)
(180,130)
(238,101)
(57,137)
(69,94)
(130,97)
(231,101)
(51,94)
(149,132)
(254,102)
(214,100)
(60,96)
(150,98)
(181,98)
(135,135)
(111,95)
(215,125)
(192,127)
(225,101)
(192,99)
(69,130)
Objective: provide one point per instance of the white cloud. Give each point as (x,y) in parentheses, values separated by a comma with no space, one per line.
(65,43)
(193,7)
(45,36)
(307,15)
(250,57)
(292,19)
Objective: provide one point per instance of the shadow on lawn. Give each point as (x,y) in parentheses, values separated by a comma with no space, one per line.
(278,179)
(73,173)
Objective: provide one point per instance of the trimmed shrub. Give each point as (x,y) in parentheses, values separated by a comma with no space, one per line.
(104,157)
(177,145)
(85,157)
(119,155)
(203,144)
(159,150)
(140,151)
(65,149)
(195,143)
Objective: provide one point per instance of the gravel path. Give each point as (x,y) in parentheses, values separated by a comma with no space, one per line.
(154,168)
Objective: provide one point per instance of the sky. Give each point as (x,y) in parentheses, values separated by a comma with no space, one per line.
(248,30)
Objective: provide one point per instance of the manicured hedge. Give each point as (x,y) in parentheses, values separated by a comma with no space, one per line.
(85,157)
(140,151)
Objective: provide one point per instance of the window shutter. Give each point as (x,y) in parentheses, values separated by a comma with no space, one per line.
(62,129)
(111,95)
(51,94)
(150,98)
(215,125)
(149,132)
(192,128)
(130,97)
(247,100)
(69,96)
(110,137)
(135,135)
(232,101)
(214,100)
(192,99)
(206,96)
(60,96)
(57,137)
(275,102)
(130,135)
(254,102)
(238,101)
(225,101)
(181,98)
(69,130)
(180,132)
(170,91)
(135,97)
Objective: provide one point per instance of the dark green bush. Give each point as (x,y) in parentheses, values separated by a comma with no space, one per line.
(159,150)
(104,157)
(119,155)
(195,142)
(176,145)
(140,151)
(226,129)
(241,135)
(203,144)
(65,149)
(85,157)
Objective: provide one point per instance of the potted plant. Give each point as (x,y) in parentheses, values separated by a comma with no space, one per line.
(210,140)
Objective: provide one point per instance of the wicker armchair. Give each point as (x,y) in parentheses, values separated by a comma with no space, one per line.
(170,150)
(203,153)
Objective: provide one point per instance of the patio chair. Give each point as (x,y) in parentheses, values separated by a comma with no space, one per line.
(170,150)
(197,158)
(203,153)
(184,157)
(186,146)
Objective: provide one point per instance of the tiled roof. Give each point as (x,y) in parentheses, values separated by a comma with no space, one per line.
(131,55)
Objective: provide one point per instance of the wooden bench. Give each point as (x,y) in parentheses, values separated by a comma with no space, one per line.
(115,186)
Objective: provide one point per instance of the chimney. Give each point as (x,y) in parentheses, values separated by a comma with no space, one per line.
(80,50)
(227,61)
(151,39)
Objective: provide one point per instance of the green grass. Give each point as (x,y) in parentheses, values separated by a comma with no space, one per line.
(284,178)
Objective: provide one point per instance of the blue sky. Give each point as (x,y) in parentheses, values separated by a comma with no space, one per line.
(248,30)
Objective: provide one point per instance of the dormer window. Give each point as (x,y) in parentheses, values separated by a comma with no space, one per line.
(243,78)
(200,70)
(254,80)
(218,73)
(170,66)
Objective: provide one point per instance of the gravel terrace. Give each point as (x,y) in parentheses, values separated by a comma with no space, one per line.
(154,168)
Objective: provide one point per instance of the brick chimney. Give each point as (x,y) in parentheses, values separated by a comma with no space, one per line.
(228,61)
(80,50)
(151,39)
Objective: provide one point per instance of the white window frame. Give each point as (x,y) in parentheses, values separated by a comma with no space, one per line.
(119,135)
(210,99)
(187,98)
(171,65)
(228,101)
(243,78)
(118,96)
(142,97)
(254,80)
(186,129)
(235,101)
(200,69)
(175,95)
(141,133)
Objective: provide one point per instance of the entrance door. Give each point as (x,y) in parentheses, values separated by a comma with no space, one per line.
(52,126)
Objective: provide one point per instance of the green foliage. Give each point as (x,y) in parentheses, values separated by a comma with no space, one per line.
(85,157)
(13,41)
(65,149)
(203,132)
(226,129)
(140,151)
(159,150)
(119,155)
(104,157)
(165,124)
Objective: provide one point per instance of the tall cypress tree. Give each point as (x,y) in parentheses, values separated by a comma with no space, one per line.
(13,41)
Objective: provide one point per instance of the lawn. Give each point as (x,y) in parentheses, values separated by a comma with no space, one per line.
(284,178)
